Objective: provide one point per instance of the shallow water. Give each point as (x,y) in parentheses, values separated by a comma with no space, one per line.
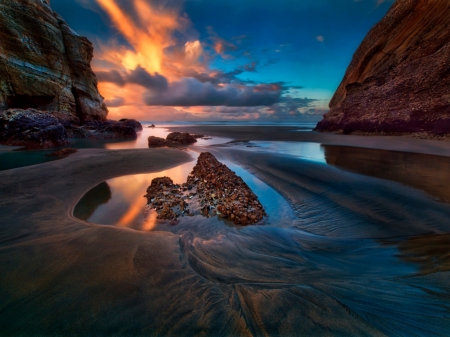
(120,201)
(356,259)
(15,159)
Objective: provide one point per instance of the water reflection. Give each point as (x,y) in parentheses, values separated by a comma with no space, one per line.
(126,206)
(430,252)
(14,159)
(93,199)
(305,150)
(422,171)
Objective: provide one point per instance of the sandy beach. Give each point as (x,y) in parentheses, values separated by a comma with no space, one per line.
(364,256)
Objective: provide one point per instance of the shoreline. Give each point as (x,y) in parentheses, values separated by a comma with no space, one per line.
(288,133)
(71,276)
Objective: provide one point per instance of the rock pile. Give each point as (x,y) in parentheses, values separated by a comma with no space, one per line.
(211,189)
(173,139)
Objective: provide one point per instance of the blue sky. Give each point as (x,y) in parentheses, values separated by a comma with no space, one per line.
(246,59)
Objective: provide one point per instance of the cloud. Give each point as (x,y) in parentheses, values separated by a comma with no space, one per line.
(221,46)
(193,50)
(320,38)
(137,76)
(192,92)
(142,77)
(115,102)
(112,76)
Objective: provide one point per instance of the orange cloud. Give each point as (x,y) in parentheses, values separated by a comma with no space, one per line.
(148,41)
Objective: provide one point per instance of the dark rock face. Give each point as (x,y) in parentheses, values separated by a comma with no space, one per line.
(133,123)
(108,129)
(31,128)
(399,79)
(173,139)
(44,64)
(45,68)
(211,189)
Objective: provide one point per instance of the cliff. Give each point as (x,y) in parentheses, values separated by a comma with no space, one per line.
(398,81)
(44,64)
(46,81)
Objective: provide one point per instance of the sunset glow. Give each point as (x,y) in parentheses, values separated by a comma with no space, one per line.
(182,60)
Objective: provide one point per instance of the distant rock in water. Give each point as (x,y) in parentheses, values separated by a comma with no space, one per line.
(398,81)
(173,139)
(211,189)
(44,65)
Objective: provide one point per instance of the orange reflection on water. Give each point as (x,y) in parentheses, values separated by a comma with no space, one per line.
(150,222)
(129,191)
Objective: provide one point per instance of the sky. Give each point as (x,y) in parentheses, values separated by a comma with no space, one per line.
(211,60)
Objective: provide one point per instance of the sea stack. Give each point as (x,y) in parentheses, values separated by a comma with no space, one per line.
(398,81)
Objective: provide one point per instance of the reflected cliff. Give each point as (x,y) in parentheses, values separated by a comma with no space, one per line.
(93,199)
(431,253)
(426,172)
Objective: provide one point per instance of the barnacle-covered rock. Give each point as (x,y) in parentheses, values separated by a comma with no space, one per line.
(211,189)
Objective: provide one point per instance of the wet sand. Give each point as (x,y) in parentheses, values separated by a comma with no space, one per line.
(291,133)
(358,260)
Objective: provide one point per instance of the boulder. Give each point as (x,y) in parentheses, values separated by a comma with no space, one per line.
(31,128)
(109,130)
(173,139)
(133,123)
(180,138)
(156,141)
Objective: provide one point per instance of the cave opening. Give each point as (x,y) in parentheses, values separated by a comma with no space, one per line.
(29,102)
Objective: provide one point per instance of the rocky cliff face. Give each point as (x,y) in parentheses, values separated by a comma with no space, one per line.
(45,69)
(399,78)
(44,64)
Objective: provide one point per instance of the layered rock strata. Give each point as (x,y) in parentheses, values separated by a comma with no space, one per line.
(399,78)
(45,69)
(211,189)
(44,64)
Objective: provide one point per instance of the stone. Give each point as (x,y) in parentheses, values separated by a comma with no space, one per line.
(156,141)
(173,139)
(109,129)
(180,138)
(211,189)
(31,128)
(398,81)
(133,123)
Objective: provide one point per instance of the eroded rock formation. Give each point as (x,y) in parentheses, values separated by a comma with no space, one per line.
(399,78)
(44,64)
(45,68)
(211,189)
